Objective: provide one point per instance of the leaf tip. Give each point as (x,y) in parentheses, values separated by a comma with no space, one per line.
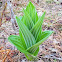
(16,17)
(51,32)
(44,12)
(29,2)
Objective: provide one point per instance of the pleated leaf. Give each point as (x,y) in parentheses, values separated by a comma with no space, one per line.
(44,35)
(28,37)
(38,36)
(18,43)
(32,12)
(31,57)
(27,20)
(22,39)
(38,26)
(16,40)
(34,50)
(41,39)
(20,17)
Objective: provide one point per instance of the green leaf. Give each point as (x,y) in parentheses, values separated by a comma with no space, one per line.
(31,57)
(37,27)
(44,35)
(22,39)
(27,20)
(20,17)
(42,38)
(32,12)
(38,36)
(16,41)
(36,52)
(28,37)
(33,51)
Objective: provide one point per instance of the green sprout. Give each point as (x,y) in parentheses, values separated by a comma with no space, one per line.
(30,32)
(54,60)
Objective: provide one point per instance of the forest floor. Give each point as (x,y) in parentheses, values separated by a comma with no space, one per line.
(50,50)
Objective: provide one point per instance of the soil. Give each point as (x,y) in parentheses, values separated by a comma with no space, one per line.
(51,49)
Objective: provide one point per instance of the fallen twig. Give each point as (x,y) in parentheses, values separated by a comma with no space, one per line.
(1,51)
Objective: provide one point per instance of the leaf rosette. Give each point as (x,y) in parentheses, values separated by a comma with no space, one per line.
(30,32)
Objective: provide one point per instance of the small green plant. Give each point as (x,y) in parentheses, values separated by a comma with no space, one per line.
(55,60)
(30,32)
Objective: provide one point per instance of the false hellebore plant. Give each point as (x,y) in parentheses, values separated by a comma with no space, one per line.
(30,32)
